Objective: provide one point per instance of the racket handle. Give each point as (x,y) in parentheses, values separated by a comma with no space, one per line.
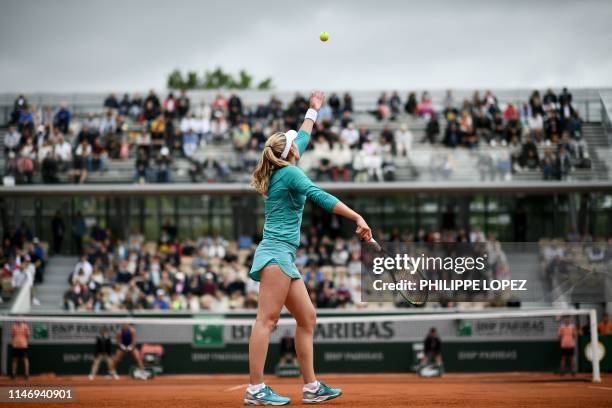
(376,244)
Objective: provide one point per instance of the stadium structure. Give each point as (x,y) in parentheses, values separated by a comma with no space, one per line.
(157,218)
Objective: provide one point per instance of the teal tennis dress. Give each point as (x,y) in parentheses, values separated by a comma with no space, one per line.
(289,187)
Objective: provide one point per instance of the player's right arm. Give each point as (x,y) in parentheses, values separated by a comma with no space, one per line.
(298,181)
(303,138)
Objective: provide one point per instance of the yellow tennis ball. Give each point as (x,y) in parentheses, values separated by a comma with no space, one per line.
(324,36)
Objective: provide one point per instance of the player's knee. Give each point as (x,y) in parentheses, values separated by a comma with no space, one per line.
(268,321)
(308,320)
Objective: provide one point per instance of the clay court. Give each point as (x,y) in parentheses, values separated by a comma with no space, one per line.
(381,390)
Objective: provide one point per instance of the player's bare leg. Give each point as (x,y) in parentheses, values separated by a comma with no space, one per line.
(272,294)
(299,304)
(14,367)
(118,358)
(26,367)
(95,366)
(138,360)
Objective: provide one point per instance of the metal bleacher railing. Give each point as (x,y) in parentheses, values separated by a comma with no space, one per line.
(586,100)
(606,112)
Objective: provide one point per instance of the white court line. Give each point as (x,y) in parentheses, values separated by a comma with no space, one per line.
(236,387)
(601,388)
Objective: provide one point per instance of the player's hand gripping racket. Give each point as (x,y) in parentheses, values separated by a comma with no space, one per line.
(416,297)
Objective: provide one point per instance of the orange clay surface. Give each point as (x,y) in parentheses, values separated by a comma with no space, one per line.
(360,390)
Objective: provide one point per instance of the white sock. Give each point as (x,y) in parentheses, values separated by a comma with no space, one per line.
(311,387)
(255,388)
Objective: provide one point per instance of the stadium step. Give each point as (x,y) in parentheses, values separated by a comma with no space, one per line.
(50,293)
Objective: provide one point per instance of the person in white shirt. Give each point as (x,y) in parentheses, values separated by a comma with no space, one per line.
(403,140)
(373,159)
(63,150)
(19,278)
(44,150)
(341,159)
(12,140)
(85,266)
(350,136)
(108,124)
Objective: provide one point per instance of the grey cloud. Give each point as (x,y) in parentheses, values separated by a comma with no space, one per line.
(71,45)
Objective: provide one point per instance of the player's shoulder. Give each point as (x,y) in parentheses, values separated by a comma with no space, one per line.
(291,170)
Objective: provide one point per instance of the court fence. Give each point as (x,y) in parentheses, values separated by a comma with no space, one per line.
(485,341)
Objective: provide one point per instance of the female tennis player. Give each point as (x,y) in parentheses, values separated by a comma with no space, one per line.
(285,188)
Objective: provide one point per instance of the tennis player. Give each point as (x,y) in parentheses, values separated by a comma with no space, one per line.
(285,188)
(126,339)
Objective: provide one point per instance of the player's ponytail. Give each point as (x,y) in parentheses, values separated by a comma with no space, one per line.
(270,160)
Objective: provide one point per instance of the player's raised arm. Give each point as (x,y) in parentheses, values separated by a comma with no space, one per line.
(317,98)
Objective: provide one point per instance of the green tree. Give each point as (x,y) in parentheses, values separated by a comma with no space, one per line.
(215,79)
(266,84)
(245,81)
(175,80)
(193,82)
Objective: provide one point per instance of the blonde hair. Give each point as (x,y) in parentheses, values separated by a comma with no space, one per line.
(269,162)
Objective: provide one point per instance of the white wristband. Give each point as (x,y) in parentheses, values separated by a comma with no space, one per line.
(311,114)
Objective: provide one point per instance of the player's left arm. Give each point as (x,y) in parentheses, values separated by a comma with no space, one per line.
(303,138)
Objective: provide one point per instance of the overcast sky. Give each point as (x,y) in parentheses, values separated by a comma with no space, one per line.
(94,45)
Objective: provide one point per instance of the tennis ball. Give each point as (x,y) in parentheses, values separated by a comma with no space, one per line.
(324,36)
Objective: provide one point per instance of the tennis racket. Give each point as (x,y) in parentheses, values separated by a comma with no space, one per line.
(417,297)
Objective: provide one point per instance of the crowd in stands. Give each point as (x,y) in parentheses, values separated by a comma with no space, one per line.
(577,267)
(22,258)
(210,272)
(542,134)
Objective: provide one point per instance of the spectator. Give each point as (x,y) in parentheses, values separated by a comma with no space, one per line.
(604,328)
(234,105)
(26,160)
(108,124)
(142,167)
(425,107)
(349,136)
(382,108)
(347,103)
(453,136)
(111,102)
(340,160)
(163,165)
(12,140)
(78,231)
(334,103)
(124,105)
(151,106)
(411,104)
(81,163)
(99,156)
(432,129)
(395,104)
(62,118)
(190,143)
(567,339)
(170,106)
(63,152)
(183,104)
(20,334)
(58,229)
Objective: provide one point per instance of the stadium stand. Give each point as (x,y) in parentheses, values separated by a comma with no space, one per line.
(468,137)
